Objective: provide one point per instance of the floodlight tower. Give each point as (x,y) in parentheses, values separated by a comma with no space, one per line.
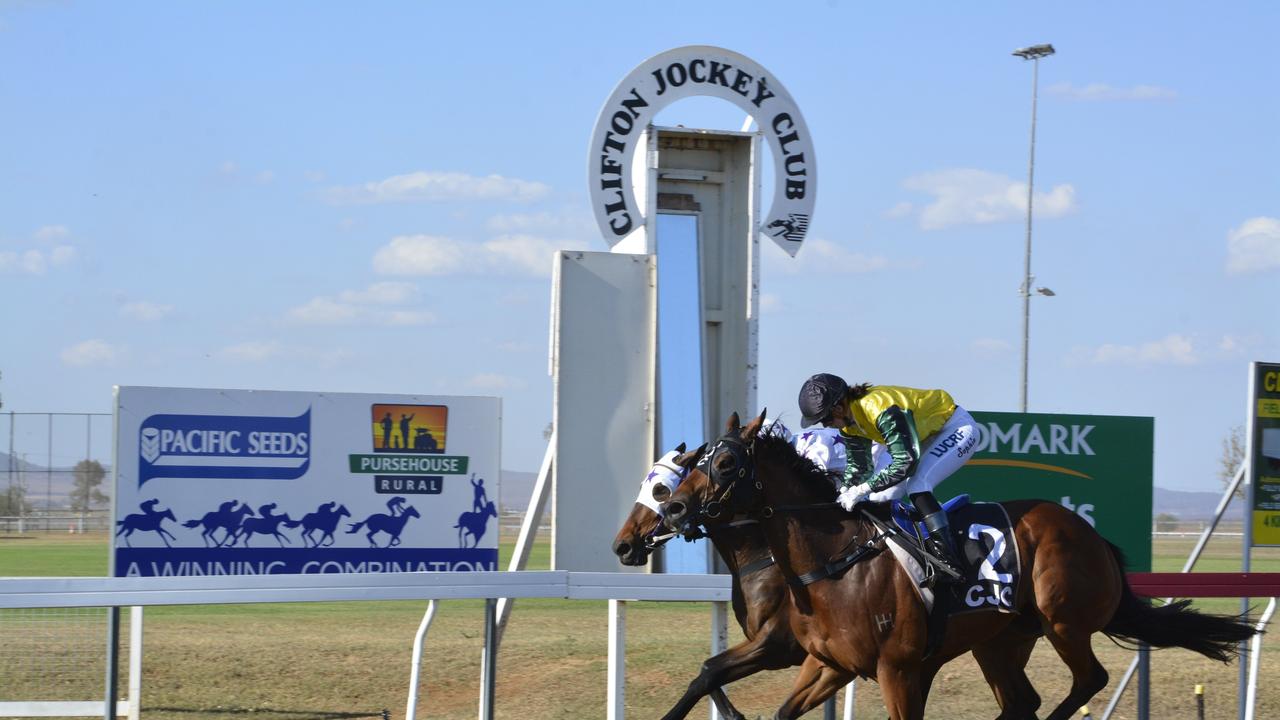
(1033,53)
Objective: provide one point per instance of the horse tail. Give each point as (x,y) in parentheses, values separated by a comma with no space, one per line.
(1175,625)
(355,527)
(191,523)
(292,523)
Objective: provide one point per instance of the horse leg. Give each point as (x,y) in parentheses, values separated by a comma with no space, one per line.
(1069,616)
(1087,674)
(1003,660)
(737,662)
(902,692)
(928,671)
(816,682)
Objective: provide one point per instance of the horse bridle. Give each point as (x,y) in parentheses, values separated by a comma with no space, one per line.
(743,470)
(694,528)
(744,462)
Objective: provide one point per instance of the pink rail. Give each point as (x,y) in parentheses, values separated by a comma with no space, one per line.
(1206,584)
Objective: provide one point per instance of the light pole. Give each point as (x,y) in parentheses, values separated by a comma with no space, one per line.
(1033,53)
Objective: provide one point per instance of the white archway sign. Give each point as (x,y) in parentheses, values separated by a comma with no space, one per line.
(701,70)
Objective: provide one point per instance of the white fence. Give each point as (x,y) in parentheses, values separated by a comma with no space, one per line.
(617,588)
(224,589)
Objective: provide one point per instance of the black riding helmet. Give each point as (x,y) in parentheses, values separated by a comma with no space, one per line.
(819,395)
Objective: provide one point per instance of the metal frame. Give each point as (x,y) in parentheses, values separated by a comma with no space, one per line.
(1231,583)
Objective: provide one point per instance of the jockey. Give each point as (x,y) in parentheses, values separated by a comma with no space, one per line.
(927,436)
(395,506)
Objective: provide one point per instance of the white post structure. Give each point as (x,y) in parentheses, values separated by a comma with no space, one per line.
(415,671)
(617,692)
(135,663)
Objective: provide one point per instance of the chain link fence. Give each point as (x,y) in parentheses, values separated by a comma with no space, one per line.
(48,464)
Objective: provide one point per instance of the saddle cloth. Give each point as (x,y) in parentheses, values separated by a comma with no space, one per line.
(989,551)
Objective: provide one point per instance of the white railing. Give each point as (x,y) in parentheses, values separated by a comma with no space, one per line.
(228,589)
(617,588)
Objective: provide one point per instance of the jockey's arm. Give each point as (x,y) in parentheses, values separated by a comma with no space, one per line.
(858,460)
(903,443)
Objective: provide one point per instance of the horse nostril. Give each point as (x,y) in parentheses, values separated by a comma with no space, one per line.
(675,511)
(622,549)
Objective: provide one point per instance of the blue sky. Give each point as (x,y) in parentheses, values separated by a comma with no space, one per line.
(365,198)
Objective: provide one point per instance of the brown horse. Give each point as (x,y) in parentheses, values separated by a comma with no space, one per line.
(762,603)
(869,621)
(759,597)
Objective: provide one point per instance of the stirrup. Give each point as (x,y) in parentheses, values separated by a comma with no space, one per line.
(942,564)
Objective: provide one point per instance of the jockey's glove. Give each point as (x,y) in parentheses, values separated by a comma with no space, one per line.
(853,495)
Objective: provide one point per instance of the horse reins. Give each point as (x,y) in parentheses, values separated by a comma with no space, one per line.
(746,472)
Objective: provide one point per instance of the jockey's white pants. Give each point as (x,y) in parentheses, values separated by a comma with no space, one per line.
(941,454)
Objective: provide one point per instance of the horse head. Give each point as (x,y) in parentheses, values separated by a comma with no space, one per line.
(636,538)
(411,511)
(342,511)
(723,478)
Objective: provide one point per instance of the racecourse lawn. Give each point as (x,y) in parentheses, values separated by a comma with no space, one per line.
(351,660)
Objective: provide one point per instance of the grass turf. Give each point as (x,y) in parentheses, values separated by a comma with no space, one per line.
(338,660)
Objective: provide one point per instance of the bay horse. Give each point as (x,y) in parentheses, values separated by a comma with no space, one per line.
(761,602)
(868,620)
(758,596)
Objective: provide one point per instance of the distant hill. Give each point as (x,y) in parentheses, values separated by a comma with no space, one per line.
(43,485)
(517,489)
(1188,505)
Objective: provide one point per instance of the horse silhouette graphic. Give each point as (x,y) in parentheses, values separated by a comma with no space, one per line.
(382,522)
(148,521)
(227,516)
(474,523)
(267,524)
(325,519)
(793,228)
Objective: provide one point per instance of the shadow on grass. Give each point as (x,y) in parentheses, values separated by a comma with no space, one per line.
(273,712)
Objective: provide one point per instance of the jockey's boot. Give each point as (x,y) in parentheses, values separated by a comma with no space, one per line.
(941,545)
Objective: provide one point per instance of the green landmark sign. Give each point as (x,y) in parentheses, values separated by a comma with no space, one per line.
(1099,466)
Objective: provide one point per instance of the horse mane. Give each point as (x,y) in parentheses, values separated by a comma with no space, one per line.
(781,451)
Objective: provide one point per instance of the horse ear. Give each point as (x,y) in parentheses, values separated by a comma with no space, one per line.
(733,424)
(687,459)
(754,426)
(680,448)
